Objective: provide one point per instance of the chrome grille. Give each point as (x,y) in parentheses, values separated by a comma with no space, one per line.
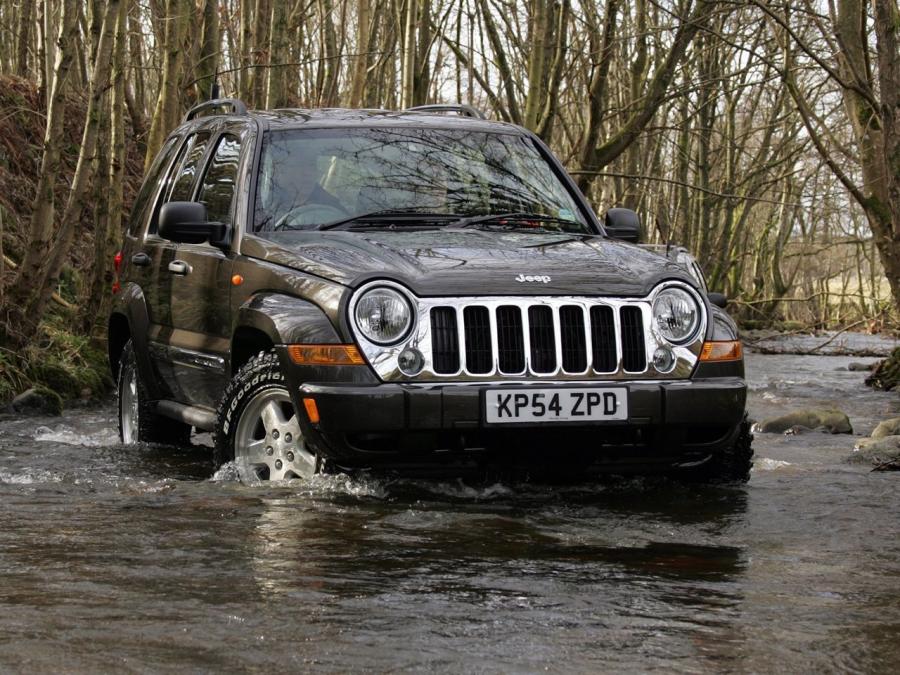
(523,338)
(538,339)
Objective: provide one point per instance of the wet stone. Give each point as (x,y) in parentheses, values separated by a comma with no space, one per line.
(876,450)
(831,420)
(856,366)
(36,401)
(889,427)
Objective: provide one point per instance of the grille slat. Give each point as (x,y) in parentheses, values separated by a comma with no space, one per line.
(543,343)
(444,340)
(510,340)
(479,352)
(634,354)
(603,338)
(574,349)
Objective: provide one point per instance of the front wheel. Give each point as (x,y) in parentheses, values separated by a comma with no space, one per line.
(257,426)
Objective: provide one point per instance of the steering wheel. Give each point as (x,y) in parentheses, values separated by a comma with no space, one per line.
(309,214)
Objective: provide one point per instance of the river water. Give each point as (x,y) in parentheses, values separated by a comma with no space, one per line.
(121,559)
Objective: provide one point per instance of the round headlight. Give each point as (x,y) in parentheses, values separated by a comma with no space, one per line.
(676,315)
(383,316)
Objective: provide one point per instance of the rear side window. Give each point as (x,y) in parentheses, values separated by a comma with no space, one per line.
(151,182)
(179,183)
(217,188)
(183,187)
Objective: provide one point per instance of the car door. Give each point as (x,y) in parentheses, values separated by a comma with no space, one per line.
(201,286)
(151,261)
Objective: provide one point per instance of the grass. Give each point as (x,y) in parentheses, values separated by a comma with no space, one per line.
(74,366)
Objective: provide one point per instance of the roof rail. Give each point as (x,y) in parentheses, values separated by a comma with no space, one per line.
(234,106)
(460,108)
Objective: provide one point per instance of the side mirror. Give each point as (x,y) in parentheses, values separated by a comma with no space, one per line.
(717,299)
(623,224)
(187,223)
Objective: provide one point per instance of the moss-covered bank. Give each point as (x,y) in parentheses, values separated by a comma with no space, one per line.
(886,375)
(71,365)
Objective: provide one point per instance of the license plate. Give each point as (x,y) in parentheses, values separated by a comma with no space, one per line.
(555,405)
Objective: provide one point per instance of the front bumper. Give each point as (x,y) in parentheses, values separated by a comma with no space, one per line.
(400,425)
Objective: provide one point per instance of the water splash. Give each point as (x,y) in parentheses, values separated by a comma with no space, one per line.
(66,435)
(766,464)
(30,476)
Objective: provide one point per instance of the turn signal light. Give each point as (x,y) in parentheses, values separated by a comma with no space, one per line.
(325,355)
(311,410)
(731,350)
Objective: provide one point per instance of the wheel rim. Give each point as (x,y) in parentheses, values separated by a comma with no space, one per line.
(129,412)
(268,442)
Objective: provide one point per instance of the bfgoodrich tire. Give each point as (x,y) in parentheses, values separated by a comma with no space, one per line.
(257,425)
(731,465)
(138,420)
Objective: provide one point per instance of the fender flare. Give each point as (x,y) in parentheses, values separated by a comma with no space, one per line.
(286,320)
(131,304)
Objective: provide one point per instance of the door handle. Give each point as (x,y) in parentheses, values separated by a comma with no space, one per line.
(179,267)
(140,259)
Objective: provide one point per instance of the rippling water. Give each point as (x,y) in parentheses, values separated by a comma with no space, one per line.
(117,559)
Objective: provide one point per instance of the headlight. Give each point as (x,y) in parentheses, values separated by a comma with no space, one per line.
(676,315)
(383,316)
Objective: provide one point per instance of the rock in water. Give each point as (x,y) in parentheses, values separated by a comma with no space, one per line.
(856,366)
(36,401)
(876,450)
(887,428)
(833,421)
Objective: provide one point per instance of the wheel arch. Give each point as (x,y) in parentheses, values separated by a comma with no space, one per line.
(118,334)
(267,320)
(247,342)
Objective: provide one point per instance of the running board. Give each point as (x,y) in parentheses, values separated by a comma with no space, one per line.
(196,417)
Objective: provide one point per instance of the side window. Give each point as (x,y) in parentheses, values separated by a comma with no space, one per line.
(183,187)
(181,175)
(217,188)
(151,182)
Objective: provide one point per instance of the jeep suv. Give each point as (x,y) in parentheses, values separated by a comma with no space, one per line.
(420,291)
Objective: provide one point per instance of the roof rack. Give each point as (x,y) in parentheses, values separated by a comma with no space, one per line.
(233,106)
(460,108)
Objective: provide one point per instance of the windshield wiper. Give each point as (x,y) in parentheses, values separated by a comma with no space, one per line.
(514,220)
(410,216)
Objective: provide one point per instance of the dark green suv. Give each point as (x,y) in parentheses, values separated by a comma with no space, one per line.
(421,291)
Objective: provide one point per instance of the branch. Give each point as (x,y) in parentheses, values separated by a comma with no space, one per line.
(864,92)
(672,181)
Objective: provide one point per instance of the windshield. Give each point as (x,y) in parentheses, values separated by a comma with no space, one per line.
(355,177)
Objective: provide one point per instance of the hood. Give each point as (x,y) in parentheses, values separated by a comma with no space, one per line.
(448,262)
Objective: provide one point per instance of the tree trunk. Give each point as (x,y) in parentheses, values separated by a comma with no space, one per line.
(361,62)
(84,170)
(108,239)
(208,61)
(20,324)
(166,110)
(276,94)
(408,68)
(26,19)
